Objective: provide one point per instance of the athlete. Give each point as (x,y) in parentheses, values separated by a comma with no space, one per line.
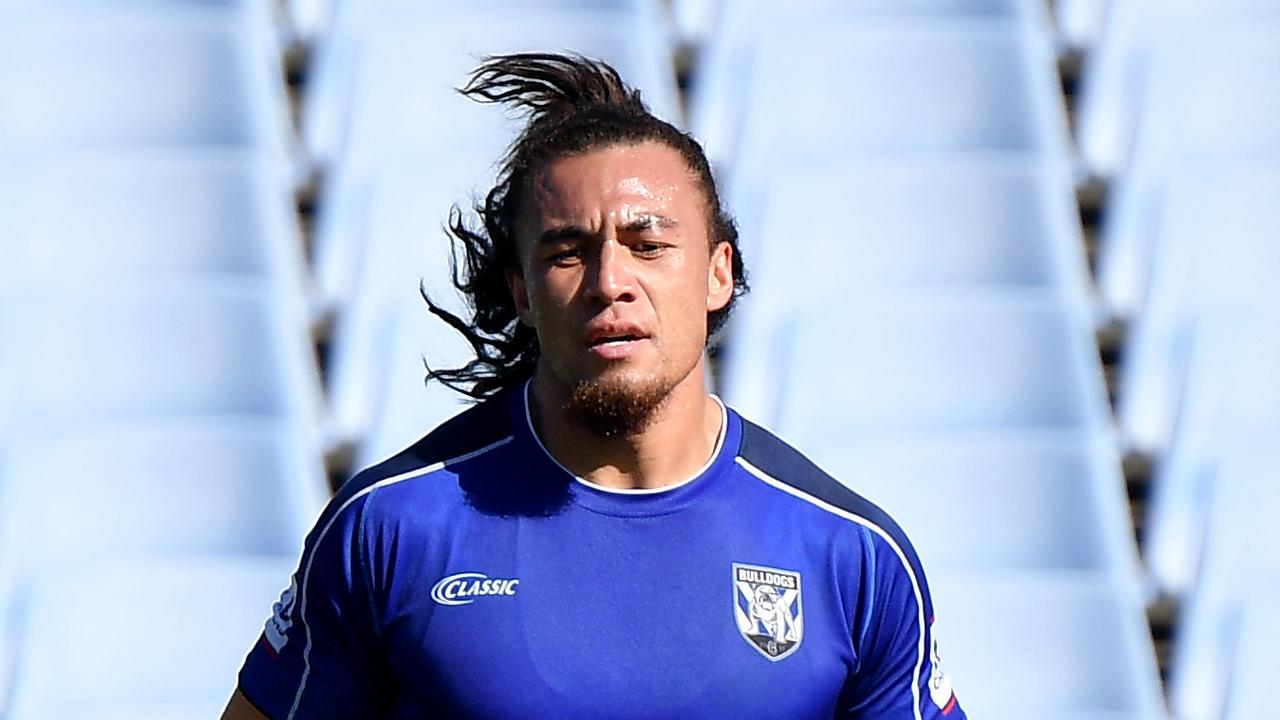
(599,537)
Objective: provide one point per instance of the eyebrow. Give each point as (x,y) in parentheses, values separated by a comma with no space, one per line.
(561,234)
(648,220)
(575,232)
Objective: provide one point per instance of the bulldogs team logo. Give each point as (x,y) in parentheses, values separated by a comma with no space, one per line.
(767,606)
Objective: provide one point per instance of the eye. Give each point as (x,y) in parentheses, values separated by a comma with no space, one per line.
(645,248)
(564,256)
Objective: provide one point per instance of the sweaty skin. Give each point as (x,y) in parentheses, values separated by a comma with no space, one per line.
(616,242)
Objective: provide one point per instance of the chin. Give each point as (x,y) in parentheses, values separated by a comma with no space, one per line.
(616,402)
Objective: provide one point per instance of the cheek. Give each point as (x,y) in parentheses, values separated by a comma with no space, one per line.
(697,287)
(558,286)
(682,303)
(549,297)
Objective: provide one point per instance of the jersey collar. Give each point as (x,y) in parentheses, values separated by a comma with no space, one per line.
(640,502)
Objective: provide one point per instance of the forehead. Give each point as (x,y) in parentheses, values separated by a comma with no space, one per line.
(614,179)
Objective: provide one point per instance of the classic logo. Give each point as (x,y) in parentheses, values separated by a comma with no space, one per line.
(464,588)
(767,606)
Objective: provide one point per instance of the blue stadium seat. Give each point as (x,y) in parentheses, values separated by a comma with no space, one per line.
(920,361)
(1241,552)
(167,348)
(157,487)
(1252,691)
(1232,390)
(149,214)
(907,89)
(1215,245)
(102,491)
(726,70)
(142,638)
(342,230)
(1113,97)
(409,55)
(1111,83)
(694,22)
(1081,23)
(404,407)
(401,106)
(1045,645)
(867,223)
(1209,99)
(268,15)
(142,76)
(976,502)
(310,19)
(405,246)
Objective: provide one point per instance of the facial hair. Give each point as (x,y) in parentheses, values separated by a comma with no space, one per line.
(613,407)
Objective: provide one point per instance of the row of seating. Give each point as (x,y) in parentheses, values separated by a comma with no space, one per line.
(1178,119)
(162,416)
(1251,694)
(1191,118)
(875,81)
(1210,510)
(921,322)
(162,638)
(152,213)
(1216,663)
(146,75)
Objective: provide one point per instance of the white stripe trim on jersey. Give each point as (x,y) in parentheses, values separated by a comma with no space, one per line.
(715,453)
(306,572)
(864,522)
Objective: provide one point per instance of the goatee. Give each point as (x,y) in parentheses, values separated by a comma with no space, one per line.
(613,408)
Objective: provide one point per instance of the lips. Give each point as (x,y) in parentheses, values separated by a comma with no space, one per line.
(615,341)
(615,334)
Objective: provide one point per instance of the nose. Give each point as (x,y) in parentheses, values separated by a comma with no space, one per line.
(611,279)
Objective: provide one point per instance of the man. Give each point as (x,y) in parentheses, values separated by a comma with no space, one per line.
(599,537)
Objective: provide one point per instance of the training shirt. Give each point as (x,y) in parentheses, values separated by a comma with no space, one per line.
(472,576)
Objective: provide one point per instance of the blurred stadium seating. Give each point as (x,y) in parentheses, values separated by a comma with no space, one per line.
(217,217)
(159,639)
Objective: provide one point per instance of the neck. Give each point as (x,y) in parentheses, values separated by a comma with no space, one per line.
(678,440)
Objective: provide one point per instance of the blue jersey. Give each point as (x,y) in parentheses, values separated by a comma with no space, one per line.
(472,576)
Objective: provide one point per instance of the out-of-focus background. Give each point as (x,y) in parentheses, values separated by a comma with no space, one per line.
(1016,269)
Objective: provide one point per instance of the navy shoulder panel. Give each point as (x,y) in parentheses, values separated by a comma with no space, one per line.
(470,430)
(777,459)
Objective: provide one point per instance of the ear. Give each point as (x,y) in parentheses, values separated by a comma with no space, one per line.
(720,277)
(520,296)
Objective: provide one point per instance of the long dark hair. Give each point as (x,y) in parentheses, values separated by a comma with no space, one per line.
(574,105)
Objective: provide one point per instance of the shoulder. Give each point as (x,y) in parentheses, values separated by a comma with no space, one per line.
(426,465)
(774,462)
(468,434)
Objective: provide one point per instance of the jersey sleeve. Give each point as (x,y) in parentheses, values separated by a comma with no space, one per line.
(318,655)
(899,674)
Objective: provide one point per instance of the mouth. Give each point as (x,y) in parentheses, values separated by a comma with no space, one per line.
(615,339)
(615,343)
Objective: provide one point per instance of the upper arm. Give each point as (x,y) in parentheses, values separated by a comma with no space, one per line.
(239,708)
(899,676)
(320,653)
